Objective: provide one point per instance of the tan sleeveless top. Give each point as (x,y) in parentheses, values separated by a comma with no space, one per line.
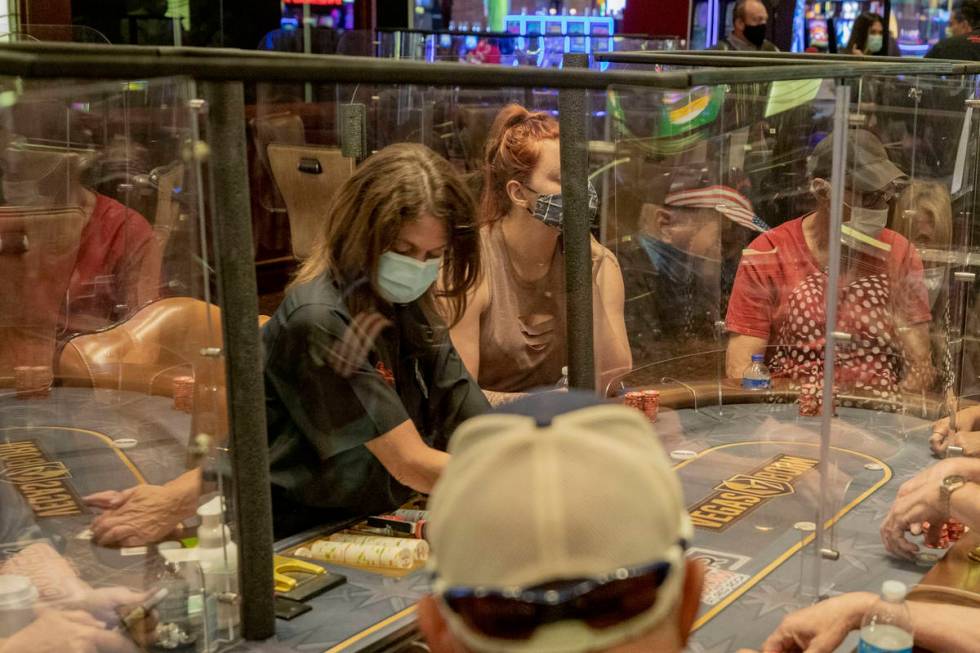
(522,329)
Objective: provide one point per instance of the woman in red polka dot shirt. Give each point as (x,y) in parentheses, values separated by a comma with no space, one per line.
(777,305)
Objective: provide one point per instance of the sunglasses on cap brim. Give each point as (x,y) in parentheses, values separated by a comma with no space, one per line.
(600,602)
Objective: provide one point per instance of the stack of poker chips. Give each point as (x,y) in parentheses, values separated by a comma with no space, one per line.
(33,381)
(954,529)
(811,400)
(184,393)
(412,515)
(419,548)
(364,555)
(950,531)
(395,525)
(645,401)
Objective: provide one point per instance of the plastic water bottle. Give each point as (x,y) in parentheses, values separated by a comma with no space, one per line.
(887,626)
(756,375)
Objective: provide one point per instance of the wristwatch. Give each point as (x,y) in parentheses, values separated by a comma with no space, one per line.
(949,485)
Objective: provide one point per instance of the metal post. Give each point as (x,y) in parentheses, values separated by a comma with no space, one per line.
(842,97)
(307,49)
(573,114)
(232,226)
(887,17)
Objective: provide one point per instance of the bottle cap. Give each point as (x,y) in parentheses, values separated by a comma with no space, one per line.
(758,358)
(893,590)
(212,510)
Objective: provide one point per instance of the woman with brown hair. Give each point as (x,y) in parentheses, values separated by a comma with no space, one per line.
(512,334)
(867,35)
(363,386)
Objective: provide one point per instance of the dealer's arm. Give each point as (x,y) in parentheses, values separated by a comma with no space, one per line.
(148,513)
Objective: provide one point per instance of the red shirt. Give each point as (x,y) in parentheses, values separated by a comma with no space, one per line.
(779,296)
(486,52)
(117,269)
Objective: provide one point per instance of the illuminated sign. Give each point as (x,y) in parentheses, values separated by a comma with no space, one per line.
(740,494)
(319,3)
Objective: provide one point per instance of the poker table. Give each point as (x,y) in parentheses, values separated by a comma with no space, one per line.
(83,440)
(749,477)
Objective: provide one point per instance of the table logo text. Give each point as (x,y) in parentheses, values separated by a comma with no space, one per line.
(43,483)
(740,494)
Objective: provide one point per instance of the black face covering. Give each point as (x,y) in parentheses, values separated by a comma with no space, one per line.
(755,34)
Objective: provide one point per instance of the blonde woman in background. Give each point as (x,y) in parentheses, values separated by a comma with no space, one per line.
(923,214)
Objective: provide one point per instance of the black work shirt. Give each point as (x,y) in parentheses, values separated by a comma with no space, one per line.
(319,419)
(965,47)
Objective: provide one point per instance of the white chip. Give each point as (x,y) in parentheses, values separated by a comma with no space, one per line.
(683,454)
(133,551)
(125,443)
(874,467)
(805,526)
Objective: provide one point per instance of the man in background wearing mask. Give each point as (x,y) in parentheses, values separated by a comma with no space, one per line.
(749,19)
(963,42)
(679,266)
(777,305)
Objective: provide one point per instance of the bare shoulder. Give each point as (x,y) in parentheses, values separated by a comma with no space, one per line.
(602,257)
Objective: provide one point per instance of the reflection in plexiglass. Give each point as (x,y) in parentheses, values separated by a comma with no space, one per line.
(719,209)
(111,376)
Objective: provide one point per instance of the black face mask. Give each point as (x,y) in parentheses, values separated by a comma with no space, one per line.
(755,34)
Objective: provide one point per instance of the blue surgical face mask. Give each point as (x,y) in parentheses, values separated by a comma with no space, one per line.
(403,279)
(875,41)
(548,208)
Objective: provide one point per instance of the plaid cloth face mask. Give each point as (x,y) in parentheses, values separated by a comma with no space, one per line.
(548,208)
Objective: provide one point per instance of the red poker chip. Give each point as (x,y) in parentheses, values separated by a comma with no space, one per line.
(184,393)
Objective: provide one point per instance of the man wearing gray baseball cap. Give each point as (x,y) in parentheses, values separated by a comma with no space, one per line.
(777,304)
(559,526)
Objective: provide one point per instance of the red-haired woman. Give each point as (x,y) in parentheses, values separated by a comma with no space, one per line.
(512,334)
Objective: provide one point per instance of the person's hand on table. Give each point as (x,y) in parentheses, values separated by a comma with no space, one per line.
(821,627)
(917,501)
(967,423)
(968,441)
(71,631)
(140,515)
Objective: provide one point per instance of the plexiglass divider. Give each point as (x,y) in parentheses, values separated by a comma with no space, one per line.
(826,469)
(698,167)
